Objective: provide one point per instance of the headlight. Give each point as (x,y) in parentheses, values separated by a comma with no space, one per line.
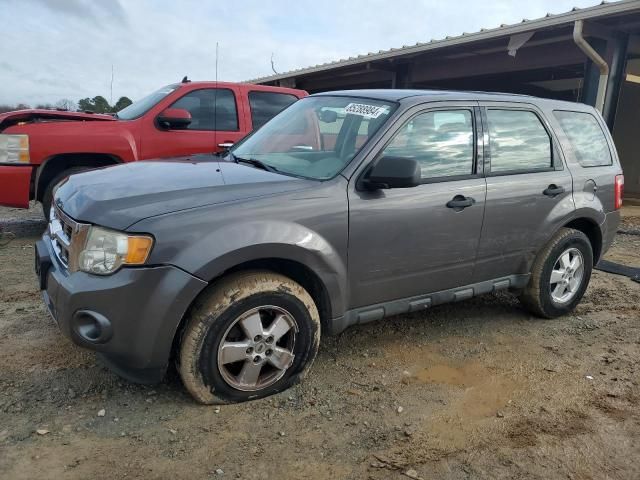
(14,148)
(105,251)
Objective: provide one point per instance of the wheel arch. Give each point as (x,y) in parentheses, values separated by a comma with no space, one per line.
(592,230)
(56,164)
(293,269)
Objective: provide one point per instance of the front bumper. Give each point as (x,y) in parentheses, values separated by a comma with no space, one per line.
(143,308)
(15,185)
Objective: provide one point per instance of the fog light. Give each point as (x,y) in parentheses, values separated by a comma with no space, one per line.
(92,327)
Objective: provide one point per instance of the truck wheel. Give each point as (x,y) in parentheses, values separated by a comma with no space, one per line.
(560,274)
(252,335)
(47,196)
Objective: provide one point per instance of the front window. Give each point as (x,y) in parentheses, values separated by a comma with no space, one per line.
(140,107)
(210,109)
(316,137)
(441,141)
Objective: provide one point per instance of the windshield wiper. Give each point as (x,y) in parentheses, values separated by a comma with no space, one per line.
(256,163)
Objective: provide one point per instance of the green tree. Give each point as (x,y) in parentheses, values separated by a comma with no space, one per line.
(97,104)
(85,104)
(101,104)
(122,103)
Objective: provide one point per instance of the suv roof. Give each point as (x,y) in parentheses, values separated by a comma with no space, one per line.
(418,96)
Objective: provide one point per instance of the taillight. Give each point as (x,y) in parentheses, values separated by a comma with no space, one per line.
(619,191)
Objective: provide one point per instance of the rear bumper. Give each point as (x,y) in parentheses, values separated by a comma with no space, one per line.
(609,228)
(140,310)
(15,185)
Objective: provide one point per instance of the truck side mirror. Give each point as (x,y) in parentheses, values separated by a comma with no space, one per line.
(175,118)
(393,172)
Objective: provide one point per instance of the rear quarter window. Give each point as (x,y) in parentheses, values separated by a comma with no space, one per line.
(266,105)
(587,139)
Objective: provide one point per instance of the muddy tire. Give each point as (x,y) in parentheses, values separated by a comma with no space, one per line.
(560,275)
(47,195)
(251,335)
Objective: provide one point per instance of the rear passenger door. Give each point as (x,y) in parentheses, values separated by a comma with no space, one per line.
(529,189)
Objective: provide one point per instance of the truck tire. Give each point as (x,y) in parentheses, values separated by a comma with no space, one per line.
(251,335)
(560,275)
(47,195)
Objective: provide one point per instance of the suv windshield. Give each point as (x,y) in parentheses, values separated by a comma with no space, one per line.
(315,137)
(141,107)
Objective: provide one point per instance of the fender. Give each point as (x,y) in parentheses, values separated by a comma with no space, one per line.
(585,213)
(110,138)
(246,242)
(208,241)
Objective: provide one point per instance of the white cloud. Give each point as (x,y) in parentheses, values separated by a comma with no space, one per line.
(65,48)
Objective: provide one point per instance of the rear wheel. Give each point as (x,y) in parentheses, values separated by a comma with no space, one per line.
(560,275)
(252,335)
(47,195)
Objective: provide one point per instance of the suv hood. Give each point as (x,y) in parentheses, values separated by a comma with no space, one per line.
(122,195)
(12,118)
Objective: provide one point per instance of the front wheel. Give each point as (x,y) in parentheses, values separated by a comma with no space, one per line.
(560,274)
(253,334)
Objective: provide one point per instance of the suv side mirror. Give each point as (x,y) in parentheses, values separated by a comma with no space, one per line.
(174,118)
(328,116)
(393,172)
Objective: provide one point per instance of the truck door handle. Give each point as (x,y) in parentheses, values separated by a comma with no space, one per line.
(459,202)
(553,190)
(225,145)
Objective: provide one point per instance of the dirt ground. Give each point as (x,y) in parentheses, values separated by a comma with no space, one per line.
(478,389)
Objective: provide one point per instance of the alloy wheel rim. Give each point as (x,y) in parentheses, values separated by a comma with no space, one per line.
(566,276)
(257,348)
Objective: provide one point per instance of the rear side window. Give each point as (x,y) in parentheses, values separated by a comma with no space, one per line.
(266,105)
(587,138)
(210,109)
(441,141)
(518,142)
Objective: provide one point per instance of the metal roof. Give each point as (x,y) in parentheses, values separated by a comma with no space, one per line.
(549,20)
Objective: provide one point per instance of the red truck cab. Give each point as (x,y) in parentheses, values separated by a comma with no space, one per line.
(38,148)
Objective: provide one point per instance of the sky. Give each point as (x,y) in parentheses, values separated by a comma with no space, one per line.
(54,49)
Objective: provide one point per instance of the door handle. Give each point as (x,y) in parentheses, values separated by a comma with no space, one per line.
(553,190)
(225,145)
(460,202)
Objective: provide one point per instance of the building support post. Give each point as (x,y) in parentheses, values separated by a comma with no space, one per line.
(400,76)
(616,78)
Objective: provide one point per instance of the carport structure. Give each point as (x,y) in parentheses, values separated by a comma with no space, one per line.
(589,55)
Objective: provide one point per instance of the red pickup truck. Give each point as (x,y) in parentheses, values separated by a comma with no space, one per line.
(38,148)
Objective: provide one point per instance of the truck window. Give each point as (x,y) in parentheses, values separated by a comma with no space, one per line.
(586,137)
(210,109)
(518,142)
(441,141)
(266,105)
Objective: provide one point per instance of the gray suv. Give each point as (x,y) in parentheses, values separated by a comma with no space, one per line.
(345,208)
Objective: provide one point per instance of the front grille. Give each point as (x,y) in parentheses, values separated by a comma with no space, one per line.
(66,235)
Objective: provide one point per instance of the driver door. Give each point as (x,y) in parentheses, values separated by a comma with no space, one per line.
(215,118)
(409,241)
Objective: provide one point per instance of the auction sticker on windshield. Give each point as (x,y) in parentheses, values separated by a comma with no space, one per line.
(364,110)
